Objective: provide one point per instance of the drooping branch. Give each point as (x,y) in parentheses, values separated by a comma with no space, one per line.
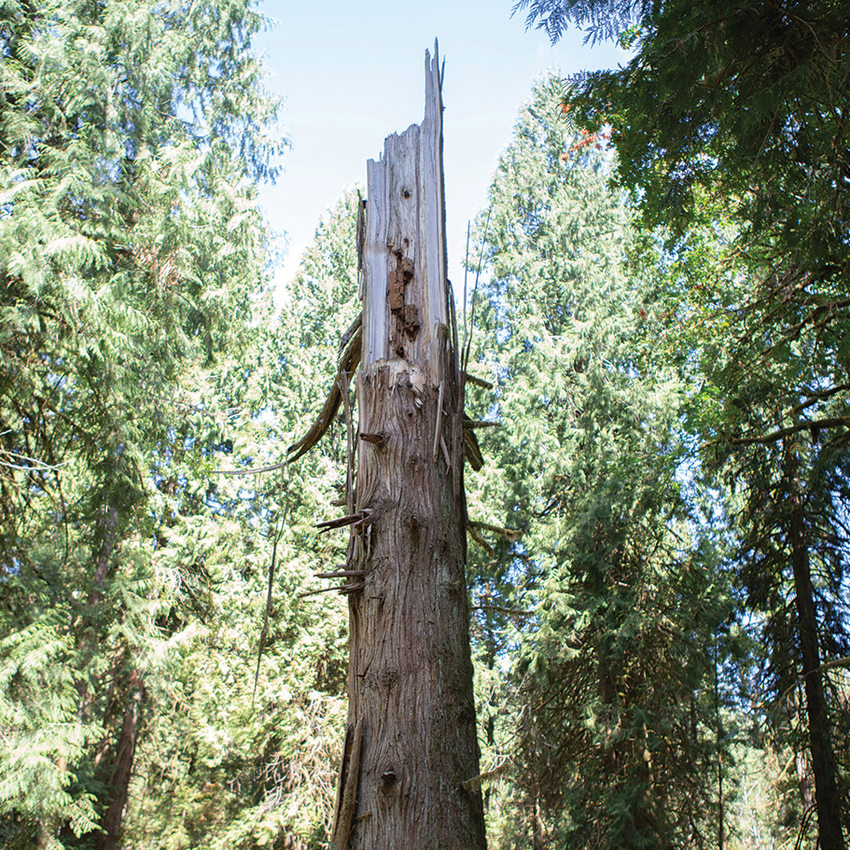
(341,588)
(470,424)
(479,539)
(358,519)
(509,533)
(818,317)
(349,359)
(843,661)
(818,397)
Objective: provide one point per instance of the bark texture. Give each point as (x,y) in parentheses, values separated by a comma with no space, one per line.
(827,798)
(411,740)
(125,752)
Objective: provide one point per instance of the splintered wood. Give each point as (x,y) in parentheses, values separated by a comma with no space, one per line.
(412,743)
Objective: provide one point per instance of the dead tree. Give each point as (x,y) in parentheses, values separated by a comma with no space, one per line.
(411,750)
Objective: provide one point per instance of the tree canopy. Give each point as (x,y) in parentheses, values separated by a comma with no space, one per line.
(658,380)
(131,249)
(729,127)
(745,101)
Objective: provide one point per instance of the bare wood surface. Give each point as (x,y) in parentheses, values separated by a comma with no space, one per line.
(347,795)
(410,673)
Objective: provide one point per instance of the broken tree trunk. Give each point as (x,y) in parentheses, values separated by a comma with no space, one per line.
(411,740)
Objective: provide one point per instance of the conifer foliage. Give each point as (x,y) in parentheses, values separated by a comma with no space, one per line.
(129,249)
(615,745)
(730,125)
(658,533)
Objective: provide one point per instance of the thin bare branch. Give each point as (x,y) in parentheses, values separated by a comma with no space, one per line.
(342,574)
(510,533)
(809,425)
(479,382)
(340,522)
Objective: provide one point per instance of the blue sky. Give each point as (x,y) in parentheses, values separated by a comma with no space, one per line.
(352,73)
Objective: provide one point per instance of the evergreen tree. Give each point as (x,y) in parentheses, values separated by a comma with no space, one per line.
(751,368)
(745,101)
(729,123)
(612,682)
(130,246)
(224,765)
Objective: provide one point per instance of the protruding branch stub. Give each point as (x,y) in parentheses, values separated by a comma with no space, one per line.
(404,262)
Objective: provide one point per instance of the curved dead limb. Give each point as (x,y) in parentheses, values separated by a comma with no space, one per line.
(348,361)
(472,450)
(352,330)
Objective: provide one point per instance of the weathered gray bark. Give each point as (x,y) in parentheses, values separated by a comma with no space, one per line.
(411,740)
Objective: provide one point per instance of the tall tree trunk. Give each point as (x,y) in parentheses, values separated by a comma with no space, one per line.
(107,530)
(820,739)
(124,753)
(122,771)
(411,743)
(718,733)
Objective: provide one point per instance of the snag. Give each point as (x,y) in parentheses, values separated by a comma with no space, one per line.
(411,744)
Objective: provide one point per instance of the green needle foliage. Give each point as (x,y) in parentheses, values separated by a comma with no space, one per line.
(744,100)
(658,536)
(611,676)
(768,407)
(731,132)
(223,765)
(130,247)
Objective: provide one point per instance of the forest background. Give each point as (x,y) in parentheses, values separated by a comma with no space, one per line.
(658,545)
